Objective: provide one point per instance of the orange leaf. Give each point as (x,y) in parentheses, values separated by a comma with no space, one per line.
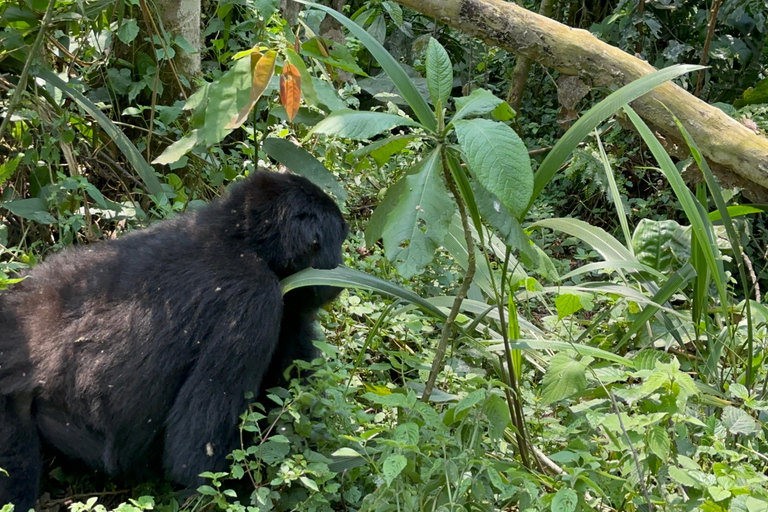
(262,70)
(290,90)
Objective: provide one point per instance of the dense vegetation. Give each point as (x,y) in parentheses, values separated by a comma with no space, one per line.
(590,335)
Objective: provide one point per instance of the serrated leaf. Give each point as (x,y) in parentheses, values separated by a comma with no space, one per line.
(439,72)
(565,500)
(290,90)
(659,442)
(498,159)
(262,70)
(567,304)
(359,125)
(414,217)
(393,466)
(565,376)
(128,31)
(478,103)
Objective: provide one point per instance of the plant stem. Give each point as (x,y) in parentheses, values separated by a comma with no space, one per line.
(437,363)
(33,52)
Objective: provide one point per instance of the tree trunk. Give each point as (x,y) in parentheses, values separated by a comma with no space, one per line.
(182,18)
(724,141)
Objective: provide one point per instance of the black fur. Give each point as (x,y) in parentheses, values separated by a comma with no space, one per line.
(147,344)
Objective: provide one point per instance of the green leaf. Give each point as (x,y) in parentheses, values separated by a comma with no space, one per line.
(265,8)
(681,477)
(301,162)
(565,500)
(496,411)
(343,277)
(498,159)
(273,452)
(226,97)
(414,217)
(327,95)
(505,224)
(338,55)
(471,400)
(439,72)
(7,169)
(128,31)
(565,376)
(359,125)
(181,147)
(567,304)
(34,209)
(659,442)
(478,103)
(738,421)
(390,66)
(596,115)
(393,466)
(663,245)
(383,149)
(407,433)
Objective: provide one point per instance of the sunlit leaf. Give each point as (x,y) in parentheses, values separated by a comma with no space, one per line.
(290,90)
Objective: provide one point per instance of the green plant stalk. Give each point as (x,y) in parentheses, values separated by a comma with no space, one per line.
(733,238)
(33,52)
(437,362)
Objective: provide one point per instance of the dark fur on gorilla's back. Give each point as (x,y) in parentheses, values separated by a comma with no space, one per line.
(147,344)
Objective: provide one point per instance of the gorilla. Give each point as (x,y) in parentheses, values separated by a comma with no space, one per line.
(137,353)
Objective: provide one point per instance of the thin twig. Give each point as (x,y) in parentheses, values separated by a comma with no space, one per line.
(705,51)
(437,363)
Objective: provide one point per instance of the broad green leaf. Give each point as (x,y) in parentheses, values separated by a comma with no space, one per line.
(394,10)
(682,477)
(738,421)
(128,31)
(414,217)
(565,376)
(393,466)
(596,115)
(501,220)
(348,278)
(439,72)
(265,8)
(301,162)
(327,95)
(226,97)
(661,244)
(567,304)
(478,103)
(407,433)
(496,411)
(389,64)
(116,134)
(471,400)
(359,125)
(273,452)
(34,209)
(584,350)
(262,71)
(498,159)
(181,147)
(565,500)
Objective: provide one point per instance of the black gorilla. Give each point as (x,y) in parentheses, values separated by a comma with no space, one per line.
(145,346)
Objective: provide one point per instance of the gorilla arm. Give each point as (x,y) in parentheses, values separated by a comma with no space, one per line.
(201,427)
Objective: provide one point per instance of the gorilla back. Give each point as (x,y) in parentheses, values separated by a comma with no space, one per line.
(147,344)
